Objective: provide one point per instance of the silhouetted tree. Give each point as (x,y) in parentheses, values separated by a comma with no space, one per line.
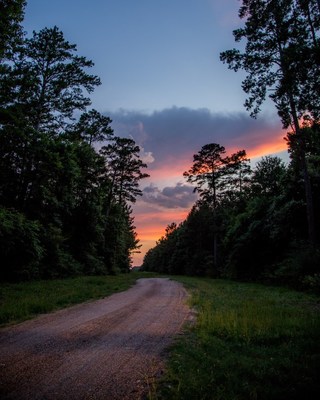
(12,13)
(206,172)
(43,89)
(123,169)
(63,206)
(282,58)
(268,176)
(92,127)
(216,176)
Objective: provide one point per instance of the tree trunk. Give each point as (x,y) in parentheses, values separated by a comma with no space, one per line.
(306,176)
(215,242)
(301,149)
(215,234)
(215,250)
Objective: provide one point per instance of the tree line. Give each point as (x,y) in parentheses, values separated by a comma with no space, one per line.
(66,180)
(248,224)
(264,223)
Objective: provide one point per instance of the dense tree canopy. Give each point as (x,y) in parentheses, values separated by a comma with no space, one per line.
(64,206)
(282,60)
(12,13)
(67,183)
(281,57)
(258,233)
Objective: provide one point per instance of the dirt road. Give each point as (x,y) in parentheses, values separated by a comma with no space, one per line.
(107,349)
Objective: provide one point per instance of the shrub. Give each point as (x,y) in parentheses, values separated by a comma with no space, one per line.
(21,250)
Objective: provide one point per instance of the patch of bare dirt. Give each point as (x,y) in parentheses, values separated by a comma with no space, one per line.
(107,349)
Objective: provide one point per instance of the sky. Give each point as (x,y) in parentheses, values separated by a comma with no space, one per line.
(164,86)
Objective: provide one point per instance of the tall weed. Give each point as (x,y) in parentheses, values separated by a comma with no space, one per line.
(250,342)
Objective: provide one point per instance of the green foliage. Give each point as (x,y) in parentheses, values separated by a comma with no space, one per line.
(120,239)
(250,234)
(281,58)
(92,127)
(11,12)
(186,249)
(258,219)
(248,342)
(207,172)
(280,54)
(123,169)
(21,248)
(263,231)
(216,175)
(300,268)
(65,204)
(57,79)
(268,175)
(58,261)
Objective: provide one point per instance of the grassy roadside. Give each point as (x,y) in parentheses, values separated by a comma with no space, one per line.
(249,342)
(21,301)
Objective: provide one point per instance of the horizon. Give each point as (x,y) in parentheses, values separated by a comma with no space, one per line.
(164,85)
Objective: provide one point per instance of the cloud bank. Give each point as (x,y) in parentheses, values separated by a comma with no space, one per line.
(178,196)
(170,137)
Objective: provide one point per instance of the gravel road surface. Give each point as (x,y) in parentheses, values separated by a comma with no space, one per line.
(108,349)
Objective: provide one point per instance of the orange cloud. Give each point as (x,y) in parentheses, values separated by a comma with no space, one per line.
(255,146)
(275,146)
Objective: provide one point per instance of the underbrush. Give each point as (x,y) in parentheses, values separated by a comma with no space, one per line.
(249,342)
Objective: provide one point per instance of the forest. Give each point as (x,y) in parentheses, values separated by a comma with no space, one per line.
(260,223)
(67,182)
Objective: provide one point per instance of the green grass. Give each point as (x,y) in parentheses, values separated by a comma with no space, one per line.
(249,342)
(21,301)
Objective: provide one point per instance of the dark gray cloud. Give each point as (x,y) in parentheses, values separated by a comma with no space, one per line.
(178,133)
(178,196)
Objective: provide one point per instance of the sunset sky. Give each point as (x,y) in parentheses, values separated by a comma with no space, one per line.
(164,85)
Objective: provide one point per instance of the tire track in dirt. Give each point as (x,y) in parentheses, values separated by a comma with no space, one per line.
(108,349)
